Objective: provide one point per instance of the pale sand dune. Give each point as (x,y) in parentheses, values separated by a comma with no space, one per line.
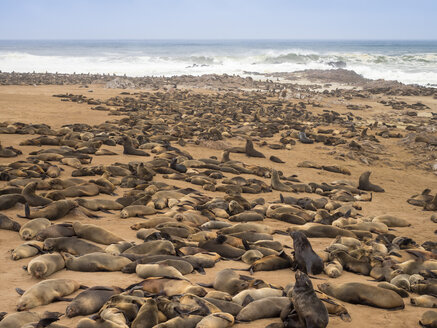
(36,105)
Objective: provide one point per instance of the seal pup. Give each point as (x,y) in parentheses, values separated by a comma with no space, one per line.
(46,292)
(26,250)
(45,265)
(309,308)
(306,259)
(427,301)
(365,184)
(30,229)
(358,293)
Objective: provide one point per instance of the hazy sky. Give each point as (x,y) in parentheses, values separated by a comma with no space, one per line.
(218,19)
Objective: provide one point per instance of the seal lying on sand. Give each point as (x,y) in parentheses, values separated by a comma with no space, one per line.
(46,292)
(358,293)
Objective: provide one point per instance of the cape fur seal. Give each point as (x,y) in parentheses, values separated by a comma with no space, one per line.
(45,265)
(72,245)
(95,233)
(358,293)
(55,231)
(90,300)
(250,150)
(278,185)
(229,281)
(9,200)
(268,307)
(93,262)
(309,308)
(30,229)
(365,184)
(31,198)
(147,316)
(53,211)
(306,259)
(136,210)
(26,250)
(216,320)
(46,292)
(8,224)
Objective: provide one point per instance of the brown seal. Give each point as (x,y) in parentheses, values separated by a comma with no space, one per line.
(358,293)
(365,184)
(31,198)
(306,259)
(45,265)
(309,308)
(9,200)
(93,262)
(90,300)
(95,233)
(72,245)
(46,292)
(250,150)
(8,224)
(53,211)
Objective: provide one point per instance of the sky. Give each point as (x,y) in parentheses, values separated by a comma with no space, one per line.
(219,19)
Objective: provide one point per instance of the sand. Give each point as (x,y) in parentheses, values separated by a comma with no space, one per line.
(400,180)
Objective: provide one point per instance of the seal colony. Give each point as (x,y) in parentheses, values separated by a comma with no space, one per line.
(184,209)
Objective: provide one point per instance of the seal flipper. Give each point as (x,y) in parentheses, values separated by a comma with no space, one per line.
(26,212)
(106,211)
(248,299)
(62,299)
(280,232)
(46,322)
(205,285)
(19,291)
(345,317)
(201,270)
(83,287)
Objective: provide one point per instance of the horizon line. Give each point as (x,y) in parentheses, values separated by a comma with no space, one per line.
(214,39)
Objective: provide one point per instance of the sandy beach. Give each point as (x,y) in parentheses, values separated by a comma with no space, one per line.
(400,162)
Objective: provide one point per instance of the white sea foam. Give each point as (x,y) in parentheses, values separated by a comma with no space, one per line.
(407,65)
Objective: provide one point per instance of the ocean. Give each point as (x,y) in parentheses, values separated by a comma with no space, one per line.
(410,62)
